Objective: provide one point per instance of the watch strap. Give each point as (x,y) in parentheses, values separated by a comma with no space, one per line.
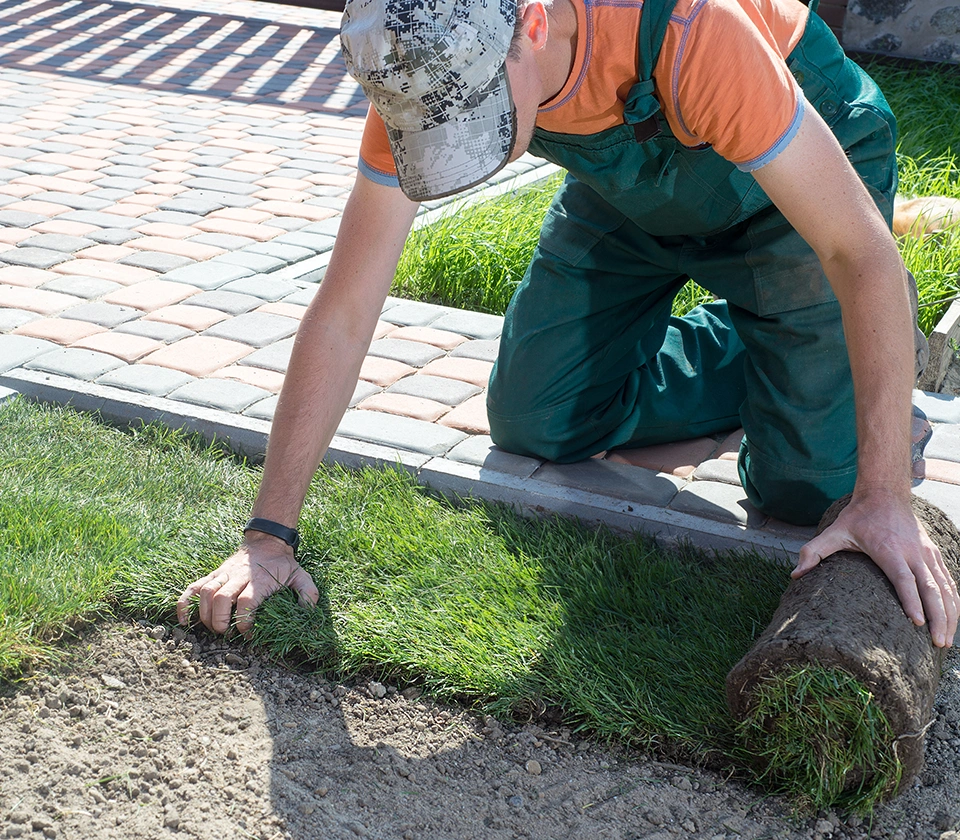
(267,526)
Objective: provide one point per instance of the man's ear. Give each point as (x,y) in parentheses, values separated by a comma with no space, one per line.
(534,18)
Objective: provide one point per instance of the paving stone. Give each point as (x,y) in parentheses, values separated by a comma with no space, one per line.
(229,302)
(105,314)
(632,484)
(314,241)
(30,167)
(170,217)
(111,196)
(473,324)
(263,410)
(76,202)
(113,236)
(480,451)
(275,357)
(268,380)
(718,469)
(405,406)
(222,394)
(125,171)
(209,275)
(400,432)
(17,218)
(225,199)
(714,500)
(411,353)
(33,257)
(222,187)
(59,330)
(17,350)
(159,330)
(303,296)
(126,347)
(486,350)
(933,469)
(34,300)
(191,206)
(939,408)
(255,328)
(157,261)
(470,416)
(198,355)
(32,278)
(287,253)
(108,221)
(216,173)
(10,319)
(680,458)
(74,363)
(128,185)
(150,295)
(384,372)
(425,335)
(362,391)
(439,389)
(7,394)
(195,318)
(260,286)
(145,379)
(473,371)
(945,443)
(58,242)
(413,314)
(226,242)
(944,496)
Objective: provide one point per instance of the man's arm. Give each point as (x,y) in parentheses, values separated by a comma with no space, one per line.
(324,367)
(820,194)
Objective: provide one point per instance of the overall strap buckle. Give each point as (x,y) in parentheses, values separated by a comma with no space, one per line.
(647,130)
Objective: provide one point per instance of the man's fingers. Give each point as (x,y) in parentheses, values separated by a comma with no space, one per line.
(814,551)
(305,588)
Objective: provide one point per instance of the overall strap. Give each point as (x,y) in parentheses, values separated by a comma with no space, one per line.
(641,107)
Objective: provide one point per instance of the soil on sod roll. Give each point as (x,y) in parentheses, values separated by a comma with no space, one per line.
(843,618)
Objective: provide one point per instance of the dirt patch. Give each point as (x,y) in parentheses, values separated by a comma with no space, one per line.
(150,734)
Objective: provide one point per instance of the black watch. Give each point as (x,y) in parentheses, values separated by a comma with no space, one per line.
(267,526)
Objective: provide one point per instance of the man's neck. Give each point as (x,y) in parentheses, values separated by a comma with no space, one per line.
(556,60)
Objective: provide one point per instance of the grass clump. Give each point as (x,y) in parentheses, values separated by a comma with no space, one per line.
(817,735)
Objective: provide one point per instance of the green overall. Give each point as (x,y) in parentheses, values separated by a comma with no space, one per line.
(590,357)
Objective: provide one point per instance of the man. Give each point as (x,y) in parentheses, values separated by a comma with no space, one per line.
(699,148)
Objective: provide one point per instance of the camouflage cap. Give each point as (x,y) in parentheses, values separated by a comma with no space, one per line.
(435,70)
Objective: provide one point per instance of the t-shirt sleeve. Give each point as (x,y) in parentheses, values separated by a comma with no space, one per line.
(376,161)
(729,85)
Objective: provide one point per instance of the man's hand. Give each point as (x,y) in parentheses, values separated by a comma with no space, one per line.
(260,567)
(885,528)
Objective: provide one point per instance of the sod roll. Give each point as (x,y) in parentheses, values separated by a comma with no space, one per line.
(834,699)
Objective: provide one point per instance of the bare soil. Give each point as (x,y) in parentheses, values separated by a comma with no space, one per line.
(148,733)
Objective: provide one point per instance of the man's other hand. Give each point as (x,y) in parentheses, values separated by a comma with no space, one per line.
(261,566)
(885,528)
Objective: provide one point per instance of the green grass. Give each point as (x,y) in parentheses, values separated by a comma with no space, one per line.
(474,257)
(471,601)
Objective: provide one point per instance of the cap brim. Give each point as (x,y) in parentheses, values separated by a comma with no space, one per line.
(461,152)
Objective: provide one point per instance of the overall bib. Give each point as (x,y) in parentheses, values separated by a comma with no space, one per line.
(590,357)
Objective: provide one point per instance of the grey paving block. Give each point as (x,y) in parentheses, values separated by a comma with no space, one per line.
(287,253)
(275,357)
(33,257)
(75,363)
(218,174)
(113,236)
(137,173)
(220,151)
(302,296)
(109,195)
(223,240)
(97,219)
(437,388)
(327,227)
(257,329)
(58,242)
(145,379)
(317,242)
(19,219)
(18,350)
(208,275)
(10,319)
(473,324)
(620,481)
(288,223)
(157,261)
(944,496)
(116,182)
(310,270)
(481,451)
(261,286)
(79,286)
(222,394)
(362,391)
(32,167)
(229,302)
(156,330)
(718,469)
(260,263)
(401,432)
(6,394)
(171,217)
(87,201)
(722,502)
(413,314)
(131,157)
(945,443)
(107,315)
(485,350)
(939,408)
(221,186)
(194,206)
(263,410)
(226,199)
(412,353)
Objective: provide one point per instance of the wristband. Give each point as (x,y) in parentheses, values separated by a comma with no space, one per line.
(274,529)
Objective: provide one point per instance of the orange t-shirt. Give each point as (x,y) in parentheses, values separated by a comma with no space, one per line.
(721,79)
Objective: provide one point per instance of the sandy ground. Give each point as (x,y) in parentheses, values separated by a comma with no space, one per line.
(149,733)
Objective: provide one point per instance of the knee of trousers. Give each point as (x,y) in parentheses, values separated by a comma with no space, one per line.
(537,434)
(792,492)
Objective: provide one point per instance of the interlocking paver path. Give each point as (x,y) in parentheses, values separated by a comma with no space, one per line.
(171,183)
